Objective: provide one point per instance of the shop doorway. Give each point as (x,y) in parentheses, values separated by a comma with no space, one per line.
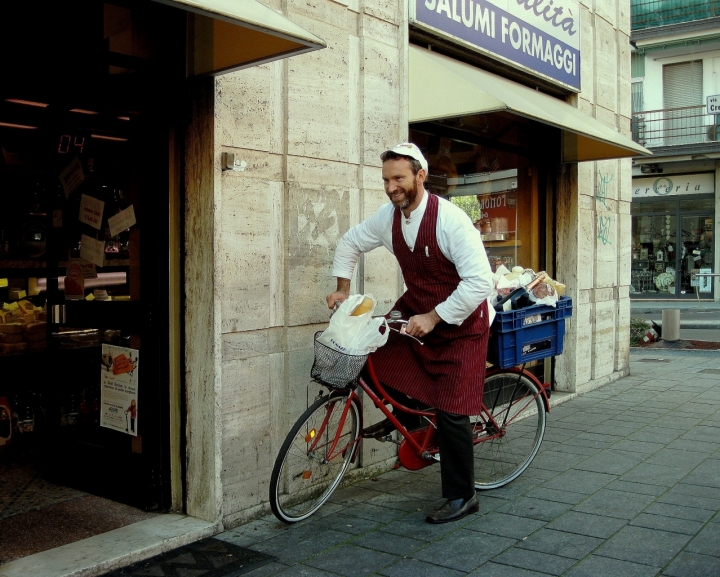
(85,183)
(488,166)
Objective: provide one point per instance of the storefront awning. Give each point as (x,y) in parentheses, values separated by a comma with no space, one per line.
(227,35)
(441,87)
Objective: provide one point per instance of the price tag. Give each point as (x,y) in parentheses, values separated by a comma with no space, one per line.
(88,268)
(92,250)
(91,211)
(122,221)
(101,295)
(72,176)
(3,282)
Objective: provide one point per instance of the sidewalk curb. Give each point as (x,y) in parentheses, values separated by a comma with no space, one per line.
(674,352)
(703,325)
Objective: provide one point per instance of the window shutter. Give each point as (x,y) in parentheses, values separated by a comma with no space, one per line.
(682,84)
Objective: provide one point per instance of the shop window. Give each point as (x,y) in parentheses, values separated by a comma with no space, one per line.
(477,162)
(672,241)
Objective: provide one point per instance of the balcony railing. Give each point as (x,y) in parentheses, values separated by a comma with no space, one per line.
(674,126)
(649,13)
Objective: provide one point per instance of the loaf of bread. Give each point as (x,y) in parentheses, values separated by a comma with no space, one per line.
(364,307)
(11,328)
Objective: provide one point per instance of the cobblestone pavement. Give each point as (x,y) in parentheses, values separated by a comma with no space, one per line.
(626,483)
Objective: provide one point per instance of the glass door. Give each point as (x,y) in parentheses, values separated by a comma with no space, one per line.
(697,255)
(653,255)
(84,273)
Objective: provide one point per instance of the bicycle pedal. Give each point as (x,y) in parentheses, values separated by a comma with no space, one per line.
(387,439)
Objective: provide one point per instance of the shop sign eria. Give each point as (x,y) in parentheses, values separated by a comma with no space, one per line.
(673,186)
(539,36)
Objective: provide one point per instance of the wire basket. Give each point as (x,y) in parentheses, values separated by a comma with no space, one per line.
(335,369)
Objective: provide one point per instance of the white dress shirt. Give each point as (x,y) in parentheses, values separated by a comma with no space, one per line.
(457,238)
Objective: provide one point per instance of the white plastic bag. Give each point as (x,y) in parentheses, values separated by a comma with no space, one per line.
(354,335)
(550,297)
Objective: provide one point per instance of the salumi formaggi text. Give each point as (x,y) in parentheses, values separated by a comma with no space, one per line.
(539,40)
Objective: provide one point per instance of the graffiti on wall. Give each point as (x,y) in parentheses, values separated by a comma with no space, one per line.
(603,187)
(604,224)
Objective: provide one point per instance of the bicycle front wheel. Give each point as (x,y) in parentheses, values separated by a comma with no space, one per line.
(506,444)
(314,457)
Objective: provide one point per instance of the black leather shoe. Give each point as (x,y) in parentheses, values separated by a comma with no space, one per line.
(381,429)
(454,509)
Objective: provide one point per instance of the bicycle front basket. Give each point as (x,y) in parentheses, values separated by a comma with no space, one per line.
(335,369)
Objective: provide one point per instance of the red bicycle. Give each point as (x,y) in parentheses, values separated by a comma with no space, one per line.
(324,442)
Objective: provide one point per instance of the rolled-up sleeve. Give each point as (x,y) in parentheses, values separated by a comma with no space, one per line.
(460,242)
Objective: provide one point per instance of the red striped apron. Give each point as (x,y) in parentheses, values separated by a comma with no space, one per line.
(447,372)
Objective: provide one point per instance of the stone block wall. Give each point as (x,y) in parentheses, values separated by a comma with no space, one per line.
(260,242)
(594,198)
(311,129)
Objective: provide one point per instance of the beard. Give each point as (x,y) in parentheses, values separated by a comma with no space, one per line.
(408,198)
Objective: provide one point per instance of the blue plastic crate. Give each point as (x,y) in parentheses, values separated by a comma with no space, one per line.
(528,334)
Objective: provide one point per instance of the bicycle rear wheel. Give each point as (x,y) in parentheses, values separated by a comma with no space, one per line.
(506,445)
(314,457)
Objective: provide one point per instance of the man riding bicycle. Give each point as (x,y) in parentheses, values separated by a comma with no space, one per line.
(448,278)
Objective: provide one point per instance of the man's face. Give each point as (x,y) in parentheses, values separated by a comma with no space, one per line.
(401,185)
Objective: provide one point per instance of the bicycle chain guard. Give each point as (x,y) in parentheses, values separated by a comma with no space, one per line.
(408,456)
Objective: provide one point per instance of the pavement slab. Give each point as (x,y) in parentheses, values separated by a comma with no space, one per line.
(626,484)
(693,565)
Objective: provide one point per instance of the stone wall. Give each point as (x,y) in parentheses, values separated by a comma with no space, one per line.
(594,198)
(260,242)
(311,129)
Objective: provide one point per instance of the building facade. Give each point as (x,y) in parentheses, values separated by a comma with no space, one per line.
(676,49)
(268,158)
(311,130)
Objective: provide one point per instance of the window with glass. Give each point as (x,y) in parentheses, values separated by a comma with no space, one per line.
(480,163)
(673,244)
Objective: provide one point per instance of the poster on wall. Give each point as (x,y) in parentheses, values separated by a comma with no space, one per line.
(705,282)
(498,213)
(119,389)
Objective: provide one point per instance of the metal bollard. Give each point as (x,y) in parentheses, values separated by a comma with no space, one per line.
(671,325)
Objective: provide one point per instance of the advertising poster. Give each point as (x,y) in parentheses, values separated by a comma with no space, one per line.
(705,284)
(74,282)
(119,389)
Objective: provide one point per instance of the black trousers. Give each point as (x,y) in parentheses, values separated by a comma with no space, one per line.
(454,437)
(457,473)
